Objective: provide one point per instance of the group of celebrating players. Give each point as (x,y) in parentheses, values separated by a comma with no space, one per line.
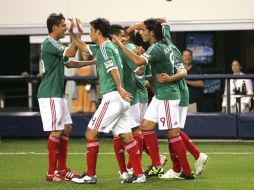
(122,69)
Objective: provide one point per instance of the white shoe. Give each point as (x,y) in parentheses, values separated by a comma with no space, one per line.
(200,163)
(85,179)
(123,176)
(130,171)
(163,160)
(140,179)
(170,174)
(135,179)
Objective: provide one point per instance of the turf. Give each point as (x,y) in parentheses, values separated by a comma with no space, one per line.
(230,166)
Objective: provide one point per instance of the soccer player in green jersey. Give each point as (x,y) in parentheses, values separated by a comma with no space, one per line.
(164,108)
(201,158)
(53,106)
(112,114)
(130,84)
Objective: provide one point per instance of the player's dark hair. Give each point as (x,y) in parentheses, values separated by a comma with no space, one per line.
(115,29)
(130,34)
(154,26)
(102,25)
(54,20)
(188,50)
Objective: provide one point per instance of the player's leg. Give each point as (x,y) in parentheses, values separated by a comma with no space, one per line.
(134,112)
(134,156)
(123,129)
(201,158)
(120,156)
(150,138)
(63,147)
(92,150)
(103,120)
(51,114)
(170,121)
(143,108)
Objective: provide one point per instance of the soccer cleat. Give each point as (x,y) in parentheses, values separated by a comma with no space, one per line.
(67,173)
(163,160)
(136,179)
(154,171)
(123,176)
(187,177)
(170,174)
(130,171)
(55,177)
(85,179)
(200,163)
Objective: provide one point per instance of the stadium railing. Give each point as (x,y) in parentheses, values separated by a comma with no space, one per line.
(30,79)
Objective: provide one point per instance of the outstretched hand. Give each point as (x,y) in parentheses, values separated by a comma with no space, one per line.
(79,25)
(117,41)
(136,26)
(72,25)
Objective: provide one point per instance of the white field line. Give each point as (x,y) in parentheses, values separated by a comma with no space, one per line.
(112,153)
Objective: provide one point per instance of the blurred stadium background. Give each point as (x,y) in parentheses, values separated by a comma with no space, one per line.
(227,27)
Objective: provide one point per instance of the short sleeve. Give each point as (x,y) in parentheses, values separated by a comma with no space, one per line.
(109,60)
(148,71)
(149,56)
(179,66)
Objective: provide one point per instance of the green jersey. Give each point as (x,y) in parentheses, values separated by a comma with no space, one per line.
(52,83)
(107,58)
(162,60)
(142,90)
(129,79)
(184,91)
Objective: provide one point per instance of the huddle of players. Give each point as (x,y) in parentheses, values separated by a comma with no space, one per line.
(121,68)
(168,108)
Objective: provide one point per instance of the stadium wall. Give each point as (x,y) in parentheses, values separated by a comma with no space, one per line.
(185,15)
(205,126)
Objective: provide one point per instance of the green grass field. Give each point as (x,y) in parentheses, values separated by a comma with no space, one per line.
(23,164)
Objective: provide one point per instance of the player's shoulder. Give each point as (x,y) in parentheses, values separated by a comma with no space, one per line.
(51,43)
(108,45)
(130,46)
(153,48)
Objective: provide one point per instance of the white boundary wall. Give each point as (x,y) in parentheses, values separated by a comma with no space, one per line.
(29,16)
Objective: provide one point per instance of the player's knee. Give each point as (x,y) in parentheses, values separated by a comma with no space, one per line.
(67,129)
(91,134)
(56,134)
(172,133)
(126,137)
(147,125)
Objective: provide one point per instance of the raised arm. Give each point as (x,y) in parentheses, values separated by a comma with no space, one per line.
(71,51)
(136,59)
(78,64)
(75,38)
